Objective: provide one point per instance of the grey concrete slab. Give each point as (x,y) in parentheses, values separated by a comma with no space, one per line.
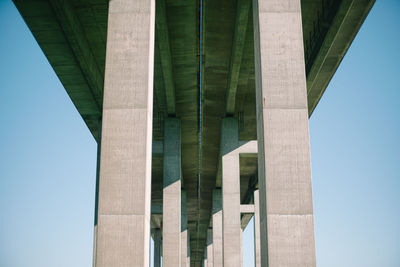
(123,230)
(286,212)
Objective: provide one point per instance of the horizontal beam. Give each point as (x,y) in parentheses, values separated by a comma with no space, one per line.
(241,21)
(165,55)
(345,25)
(247,208)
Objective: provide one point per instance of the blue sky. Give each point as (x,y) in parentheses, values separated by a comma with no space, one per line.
(48,156)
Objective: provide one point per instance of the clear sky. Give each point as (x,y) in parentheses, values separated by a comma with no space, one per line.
(48,156)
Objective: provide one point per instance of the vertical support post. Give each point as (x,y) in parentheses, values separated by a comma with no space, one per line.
(172,193)
(157,247)
(210,261)
(184,231)
(123,229)
(188,250)
(217,228)
(96,205)
(286,210)
(230,192)
(257,253)
(241,247)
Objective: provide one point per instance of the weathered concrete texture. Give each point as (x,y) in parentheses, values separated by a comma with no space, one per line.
(123,231)
(217,228)
(157,247)
(172,193)
(286,212)
(257,244)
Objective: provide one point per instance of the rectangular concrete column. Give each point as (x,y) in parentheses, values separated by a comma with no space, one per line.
(184,231)
(230,192)
(217,228)
(257,249)
(188,249)
(286,210)
(157,247)
(210,261)
(123,231)
(172,193)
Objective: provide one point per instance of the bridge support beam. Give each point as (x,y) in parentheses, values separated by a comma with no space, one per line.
(157,247)
(172,193)
(123,230)
(184,232)
(210,261)
(217,228)
(230,193)
(286,211)
(257,249)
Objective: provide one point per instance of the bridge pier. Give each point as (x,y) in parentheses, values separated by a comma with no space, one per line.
(257,249)
(185,260)
(217,228)
(209,248)
(172,193)
(230,193)
(157,247)
(286,210)
(123,229)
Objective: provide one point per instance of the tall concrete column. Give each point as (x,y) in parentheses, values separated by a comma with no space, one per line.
(210,261)
(230,193)
(172,193)
(241,244)
(157,247)
(123,231)
(257,249)
(184,231)
(96,205)
(188,250)
(217,228)
(286,210)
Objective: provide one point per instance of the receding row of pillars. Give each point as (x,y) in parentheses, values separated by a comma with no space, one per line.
(224,239)
(286,226)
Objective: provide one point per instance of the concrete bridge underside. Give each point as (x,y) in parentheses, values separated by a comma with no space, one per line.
(73,36)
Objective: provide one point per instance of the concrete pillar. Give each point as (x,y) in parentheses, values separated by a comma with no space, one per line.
(96,205)
(172,193)
(286,210)
(210,261)
(157,247)
(123,230)
(205,260)
(184,231)
(230,192)
(241,245)
(217,228)
(188,249)
(257,252)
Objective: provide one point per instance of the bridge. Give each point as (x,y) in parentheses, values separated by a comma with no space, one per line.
(200,110)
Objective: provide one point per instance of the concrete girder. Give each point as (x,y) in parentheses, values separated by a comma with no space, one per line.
(342,31)
(165,55)
(239,37)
